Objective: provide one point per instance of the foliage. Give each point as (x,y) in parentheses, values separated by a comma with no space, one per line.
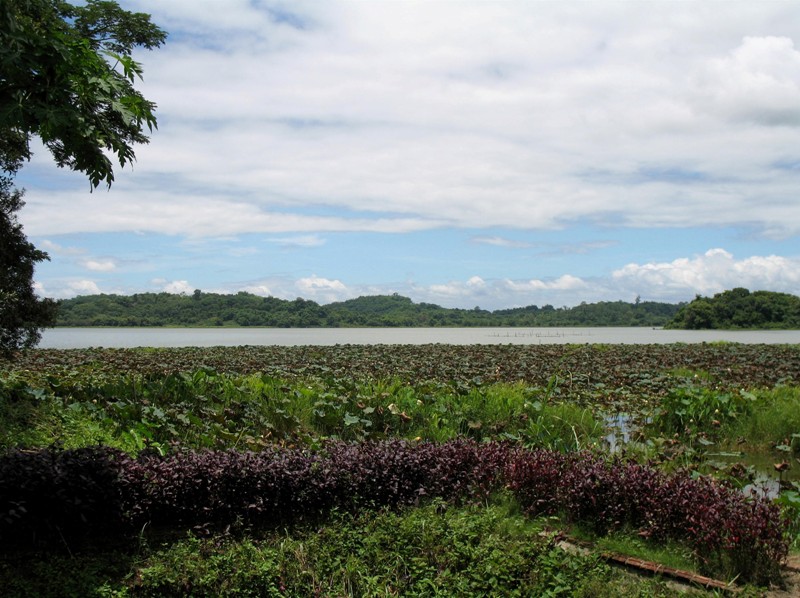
(434,550)
(85,491)
(580,373)
(205,409)
(22,313)
(245,309)
(68,78)
(689,408)
(739,308)
(51,493)
(728,532)
(789,501)
(773,420)
(294,407)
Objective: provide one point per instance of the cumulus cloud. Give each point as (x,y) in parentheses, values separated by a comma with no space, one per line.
(178,287)
(85,287)
(759,81)
(670,281)
(505,293)
(322,289)
(565,282)
(712,272)
(66,289)
(259,289)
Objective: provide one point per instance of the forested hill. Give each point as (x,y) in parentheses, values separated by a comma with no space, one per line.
(740,309)
(244,309)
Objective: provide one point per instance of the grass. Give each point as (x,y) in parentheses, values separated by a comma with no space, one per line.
(774,419)
(669,554)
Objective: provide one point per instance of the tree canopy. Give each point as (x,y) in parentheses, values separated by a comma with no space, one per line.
(740,309)
(245,309)
(67,76)
(22,313)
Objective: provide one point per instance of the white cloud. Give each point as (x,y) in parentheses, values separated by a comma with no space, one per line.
(759,81)
(322,289)
(505,293)
(100,265)
(178,287)
(55,249)
(672,281)
(194,216)
(66,289)
(261,290)
(291,120)
(85,287)
(711,273)
(299,241)
(501,242)
(679,280)
(565,282)
(394,117)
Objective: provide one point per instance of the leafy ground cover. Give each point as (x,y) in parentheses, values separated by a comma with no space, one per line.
(433,550)
(182,417)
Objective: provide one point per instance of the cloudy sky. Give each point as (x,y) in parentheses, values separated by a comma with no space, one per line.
(488,153)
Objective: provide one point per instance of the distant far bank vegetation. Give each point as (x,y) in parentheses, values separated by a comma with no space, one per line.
(244,309)
(740,309)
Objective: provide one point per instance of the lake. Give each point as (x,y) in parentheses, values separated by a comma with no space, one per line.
(80,338)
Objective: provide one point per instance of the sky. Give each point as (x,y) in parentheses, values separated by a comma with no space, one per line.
(483,153)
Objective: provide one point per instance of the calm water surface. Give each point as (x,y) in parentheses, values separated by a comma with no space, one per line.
(78,338)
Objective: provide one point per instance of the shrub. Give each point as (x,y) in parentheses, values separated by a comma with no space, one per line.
(69,494)
(728,531)
(52,494)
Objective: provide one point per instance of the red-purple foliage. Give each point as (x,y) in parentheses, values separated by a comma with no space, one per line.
(719,522)
(53,494)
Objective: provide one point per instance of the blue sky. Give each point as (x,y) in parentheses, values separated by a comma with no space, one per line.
(497,154)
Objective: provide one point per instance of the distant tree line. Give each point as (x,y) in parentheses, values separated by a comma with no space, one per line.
(245,309)
(740,309)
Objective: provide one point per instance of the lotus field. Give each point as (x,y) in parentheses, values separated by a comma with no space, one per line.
(383,470)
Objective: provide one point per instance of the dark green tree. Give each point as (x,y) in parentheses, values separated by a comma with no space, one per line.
(740,309)
(22,313)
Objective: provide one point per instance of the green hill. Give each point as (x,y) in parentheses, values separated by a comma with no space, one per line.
(245,309)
